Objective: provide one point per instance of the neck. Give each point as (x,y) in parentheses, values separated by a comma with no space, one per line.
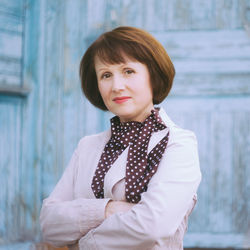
(139,118)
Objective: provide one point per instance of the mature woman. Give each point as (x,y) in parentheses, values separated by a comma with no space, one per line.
(133,186)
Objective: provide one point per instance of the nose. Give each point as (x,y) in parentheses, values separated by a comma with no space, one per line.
(118,83)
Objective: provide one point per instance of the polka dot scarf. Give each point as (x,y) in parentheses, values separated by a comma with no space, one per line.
(140,166)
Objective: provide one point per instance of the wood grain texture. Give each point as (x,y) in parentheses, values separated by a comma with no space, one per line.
(223,150)
(10,154)
(11,32)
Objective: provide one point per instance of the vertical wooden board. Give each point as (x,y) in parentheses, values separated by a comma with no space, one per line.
(228,14)
(179,17)
(86,14)
(241,166)
(200,123)
(71,99)
(173,110)
(244,13)
(106,116)
(108,14)
(95,15)
(9,169)
(3,170)
(93,124)
(220,198)
(53,92)
(114,14)
(155,15)
(133,13)
(33,123)
(202,14)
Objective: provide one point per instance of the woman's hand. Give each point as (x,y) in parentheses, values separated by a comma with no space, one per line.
(117,206)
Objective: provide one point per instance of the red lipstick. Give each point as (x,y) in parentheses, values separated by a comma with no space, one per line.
(121,99)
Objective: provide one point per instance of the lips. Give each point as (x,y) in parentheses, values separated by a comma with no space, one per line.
(121,99)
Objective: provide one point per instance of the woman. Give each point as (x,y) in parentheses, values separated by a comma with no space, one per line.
(133,186)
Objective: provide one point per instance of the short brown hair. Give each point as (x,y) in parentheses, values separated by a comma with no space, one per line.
(136,44)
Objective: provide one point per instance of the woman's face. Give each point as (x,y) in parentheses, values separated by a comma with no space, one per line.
(125,89)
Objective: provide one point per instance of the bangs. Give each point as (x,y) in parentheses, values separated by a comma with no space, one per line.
(115,51)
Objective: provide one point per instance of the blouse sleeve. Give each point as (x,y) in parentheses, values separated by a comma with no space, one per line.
(63,219)
(161,209)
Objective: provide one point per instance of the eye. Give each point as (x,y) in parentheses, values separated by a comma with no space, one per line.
(105,75)
(129,71)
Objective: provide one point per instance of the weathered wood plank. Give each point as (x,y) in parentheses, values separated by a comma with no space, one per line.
(241,168)
(10,128)
(217,241)
(202,104)
(220,202)
(155,14)
(212,66)
(12,7)
(53,87)
(202,14)
(73,103)
(178,15)
(9,80)
(10,22)
(10,71)
(200,123)
(95,15)
(228,14)
(10,45)
(228,44)
(194,15)
(32,123)
(10,66)
(211,84)
(17,91)
(208,52)
(18,246)
(10,58)
(133,14)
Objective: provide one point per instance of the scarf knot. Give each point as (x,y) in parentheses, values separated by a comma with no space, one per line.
(141,165)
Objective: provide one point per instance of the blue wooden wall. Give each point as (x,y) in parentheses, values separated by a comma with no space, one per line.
(43,113)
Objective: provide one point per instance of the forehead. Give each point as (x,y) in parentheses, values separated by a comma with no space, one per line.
(99,62)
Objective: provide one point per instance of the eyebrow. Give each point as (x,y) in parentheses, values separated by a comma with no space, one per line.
(102,69)
(121,65)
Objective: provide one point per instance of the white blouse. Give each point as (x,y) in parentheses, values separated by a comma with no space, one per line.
(72,215)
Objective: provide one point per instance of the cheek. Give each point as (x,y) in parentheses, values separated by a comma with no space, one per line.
(103,91)
(100,87)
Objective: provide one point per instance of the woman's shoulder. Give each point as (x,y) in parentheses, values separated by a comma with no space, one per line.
(181,159)
(182,136)
(177,133)
(94,139)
